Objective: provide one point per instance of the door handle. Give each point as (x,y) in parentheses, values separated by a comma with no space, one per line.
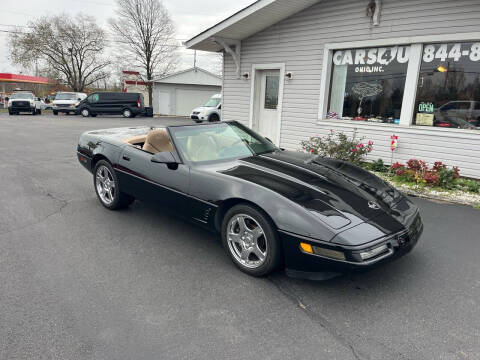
(126,158)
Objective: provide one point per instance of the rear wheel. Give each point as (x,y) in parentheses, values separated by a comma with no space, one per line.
(127,113)
(85,112)
(251,240)
(107,187)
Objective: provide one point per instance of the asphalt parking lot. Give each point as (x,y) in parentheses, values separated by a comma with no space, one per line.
(80,282)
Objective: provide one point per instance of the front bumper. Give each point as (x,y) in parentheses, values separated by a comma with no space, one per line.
(64,108)
(312,266)
(198,117)
(22,108)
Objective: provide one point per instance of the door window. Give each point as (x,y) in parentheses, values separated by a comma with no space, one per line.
(271,92)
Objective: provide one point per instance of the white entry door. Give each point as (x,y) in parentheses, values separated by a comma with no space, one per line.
(164,103)
(267,117)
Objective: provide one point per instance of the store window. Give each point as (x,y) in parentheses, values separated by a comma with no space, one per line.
(368,84)
(449,86)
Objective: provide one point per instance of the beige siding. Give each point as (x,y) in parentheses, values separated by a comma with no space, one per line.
(299,41)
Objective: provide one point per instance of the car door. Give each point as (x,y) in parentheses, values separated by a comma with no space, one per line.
(149,181)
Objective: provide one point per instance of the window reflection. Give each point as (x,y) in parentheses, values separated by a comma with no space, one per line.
(449,86)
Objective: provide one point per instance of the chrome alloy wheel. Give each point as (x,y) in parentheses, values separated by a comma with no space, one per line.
(85,113)
(127,113)
(105,185)
(247,241)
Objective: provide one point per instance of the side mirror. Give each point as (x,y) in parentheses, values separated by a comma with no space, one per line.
(269,140)
(167,158)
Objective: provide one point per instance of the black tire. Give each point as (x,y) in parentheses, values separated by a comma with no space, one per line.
(120,200)
(85,112)
(270,240)
(214,118)
(55,112)
(127,113)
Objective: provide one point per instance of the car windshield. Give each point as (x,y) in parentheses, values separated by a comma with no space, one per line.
(22,96)
(213,102)
(66,96)
(218,142)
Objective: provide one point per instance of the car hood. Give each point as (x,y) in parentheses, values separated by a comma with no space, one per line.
(340,194)
(203,109)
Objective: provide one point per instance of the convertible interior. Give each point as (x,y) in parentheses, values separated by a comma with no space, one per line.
(196,145)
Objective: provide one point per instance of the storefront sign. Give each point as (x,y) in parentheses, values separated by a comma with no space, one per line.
(424,119)
(425,107)
(455,52)
(374,56)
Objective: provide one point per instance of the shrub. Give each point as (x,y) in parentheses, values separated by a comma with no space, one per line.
(469,185)
(338,146)
(418,171)
(378,166)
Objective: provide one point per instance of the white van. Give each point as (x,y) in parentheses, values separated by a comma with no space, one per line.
(65,102)
(211,111)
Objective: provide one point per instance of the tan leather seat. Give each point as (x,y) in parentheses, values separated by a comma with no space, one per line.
(157,141)
(139,139)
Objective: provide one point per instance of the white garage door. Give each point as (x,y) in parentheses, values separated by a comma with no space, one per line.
(187,100)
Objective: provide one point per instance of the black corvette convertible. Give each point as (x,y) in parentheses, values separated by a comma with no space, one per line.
(272,207)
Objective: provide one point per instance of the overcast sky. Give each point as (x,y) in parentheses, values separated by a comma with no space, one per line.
(190,16)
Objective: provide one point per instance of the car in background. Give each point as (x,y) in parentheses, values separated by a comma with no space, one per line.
(24,101)
(110,103)
(458,114)
(210,112)
(65,102)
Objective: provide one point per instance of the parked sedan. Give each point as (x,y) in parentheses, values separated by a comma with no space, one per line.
(271,207)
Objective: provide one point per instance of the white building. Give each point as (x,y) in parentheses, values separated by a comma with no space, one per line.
(293,69)
(179,93)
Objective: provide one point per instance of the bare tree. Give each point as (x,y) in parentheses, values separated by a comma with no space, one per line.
(146,33)
(70,48)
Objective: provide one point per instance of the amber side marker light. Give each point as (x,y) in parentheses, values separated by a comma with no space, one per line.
(306,247)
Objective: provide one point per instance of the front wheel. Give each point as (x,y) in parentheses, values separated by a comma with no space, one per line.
(251,240)
(214,118)
(107,187)
(85,112)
